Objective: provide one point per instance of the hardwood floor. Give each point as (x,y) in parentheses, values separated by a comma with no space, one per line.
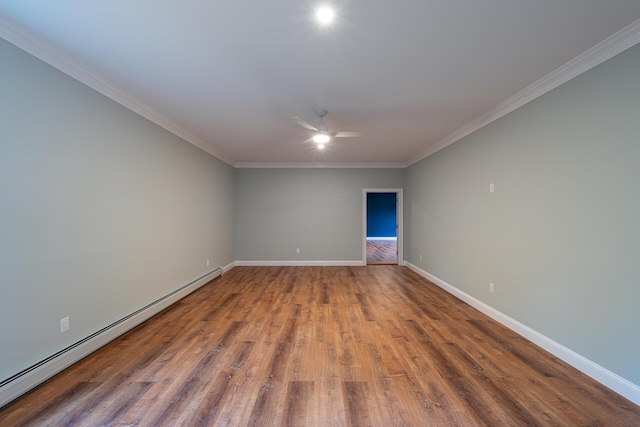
(323,346)
(382,252)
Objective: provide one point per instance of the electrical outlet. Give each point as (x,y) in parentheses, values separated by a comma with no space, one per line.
(492,187)
(297,250)
(420,257)
(208,262)
(64,325)
(492,287)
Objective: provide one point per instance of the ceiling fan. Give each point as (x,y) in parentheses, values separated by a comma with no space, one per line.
(321,135)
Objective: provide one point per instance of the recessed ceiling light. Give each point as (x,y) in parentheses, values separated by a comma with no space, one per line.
(325,15)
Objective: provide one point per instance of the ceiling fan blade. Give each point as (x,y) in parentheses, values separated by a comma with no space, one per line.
(347,134)
(304,124)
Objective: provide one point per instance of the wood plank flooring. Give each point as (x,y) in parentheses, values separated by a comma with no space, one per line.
(382,252)
(320,346)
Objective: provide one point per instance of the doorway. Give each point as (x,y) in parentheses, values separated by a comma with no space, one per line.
(382,226)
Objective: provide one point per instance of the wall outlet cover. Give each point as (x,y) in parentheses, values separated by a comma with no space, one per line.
(64,325)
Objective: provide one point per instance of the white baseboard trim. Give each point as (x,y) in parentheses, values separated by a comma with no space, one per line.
(228,267)
(382,238)
(609,379)
(299,263)
(31,377)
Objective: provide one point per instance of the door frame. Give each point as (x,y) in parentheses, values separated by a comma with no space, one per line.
(399,221)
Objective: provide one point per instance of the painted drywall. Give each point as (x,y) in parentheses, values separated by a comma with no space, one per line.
(101,211)
(381,214)
(560,236)
(316,210)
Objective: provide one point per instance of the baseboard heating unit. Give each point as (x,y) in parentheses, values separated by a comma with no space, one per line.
(25,380)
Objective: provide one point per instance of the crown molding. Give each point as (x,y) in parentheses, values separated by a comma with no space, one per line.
(23,39)
(603,51)
(613,45)
(318,165)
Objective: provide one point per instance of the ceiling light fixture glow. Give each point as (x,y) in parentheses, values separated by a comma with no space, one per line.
(325,15)
(320,146)
(321,137)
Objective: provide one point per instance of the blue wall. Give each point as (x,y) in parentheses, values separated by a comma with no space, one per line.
(381,214)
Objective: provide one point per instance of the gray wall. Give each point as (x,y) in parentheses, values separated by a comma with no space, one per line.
(101,211)
(316,210)
(560,237)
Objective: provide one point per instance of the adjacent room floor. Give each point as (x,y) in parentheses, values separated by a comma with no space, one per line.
(321,346)
(382,252)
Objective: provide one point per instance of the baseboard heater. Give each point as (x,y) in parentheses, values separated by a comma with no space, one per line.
(29,378)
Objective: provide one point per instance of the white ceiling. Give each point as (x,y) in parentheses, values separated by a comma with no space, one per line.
(228,75)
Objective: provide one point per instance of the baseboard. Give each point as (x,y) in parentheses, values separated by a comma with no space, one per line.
(299,263)
(609,379)
(31,377)
(228,267)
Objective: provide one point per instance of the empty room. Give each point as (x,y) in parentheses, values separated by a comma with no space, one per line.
(339,213)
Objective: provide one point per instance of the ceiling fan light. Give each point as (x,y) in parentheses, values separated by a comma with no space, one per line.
(321,138)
